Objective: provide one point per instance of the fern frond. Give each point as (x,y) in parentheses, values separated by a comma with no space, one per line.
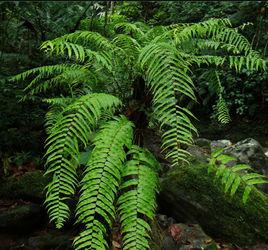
(62,153)
(128,29)
(167,76)
(86,39)
(101,180)
(55,111)
(221,109)
(233,177)
(137,201)
(199,30)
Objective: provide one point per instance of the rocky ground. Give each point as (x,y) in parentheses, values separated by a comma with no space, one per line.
(193,212)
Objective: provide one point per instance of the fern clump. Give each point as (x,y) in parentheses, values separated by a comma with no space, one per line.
(145,74)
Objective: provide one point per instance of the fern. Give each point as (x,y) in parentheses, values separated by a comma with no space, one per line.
(233,177)
(137,201)
(161,56)
(167,77)
(75,125)
(100,183)
(215,86)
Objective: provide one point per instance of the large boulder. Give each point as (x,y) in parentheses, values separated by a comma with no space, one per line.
(190,195)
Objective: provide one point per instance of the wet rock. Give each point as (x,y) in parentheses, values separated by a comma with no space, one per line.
(191,236)
(265,152)
(203,143)
(219,144)
(249,151)
(197,153)
(29,186)
(190,195)
(22,218)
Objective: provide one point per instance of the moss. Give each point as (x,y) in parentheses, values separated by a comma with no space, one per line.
(29,186)
(190,194)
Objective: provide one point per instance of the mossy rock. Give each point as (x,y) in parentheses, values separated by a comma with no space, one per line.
(22,218)
(30,186)
(190,195)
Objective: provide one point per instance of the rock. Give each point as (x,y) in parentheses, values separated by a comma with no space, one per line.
(265,151)
(219,144)
(172,236)
(197,153)
(203,143)
(190,195)
(50,241)
(191,236)
(249,151)
(22,218)
(29,186)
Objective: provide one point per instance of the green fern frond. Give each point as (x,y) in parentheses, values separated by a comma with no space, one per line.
(55,111)
(59,46)
(137,201)
(198,30)
(233,177)
(129,29)
(221,108)
(101,180)
(222,111)
(85,39)
(62,153)
(167,76)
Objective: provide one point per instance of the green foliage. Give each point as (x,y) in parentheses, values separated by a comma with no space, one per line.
(93,72)
(137,201)
(232,177)
(100,183)
(74,126)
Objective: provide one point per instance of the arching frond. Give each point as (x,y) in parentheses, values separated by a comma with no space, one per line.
(55,111)
(167,76)
(73,127)
(137,201)
(95,209)
(198,30)
(233,177)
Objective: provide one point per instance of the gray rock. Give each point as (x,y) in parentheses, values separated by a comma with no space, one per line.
(198,154)
(203,143)
(249,151)
(219,144)
(265,152)
(191,237)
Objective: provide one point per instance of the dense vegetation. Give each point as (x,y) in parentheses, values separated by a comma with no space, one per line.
(106,74)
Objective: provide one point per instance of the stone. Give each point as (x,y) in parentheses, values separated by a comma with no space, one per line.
(220,144)
(265,152)
(191,236)
(197,153)
(249,151)
(203,143)
(22,218)
(169,235)
(190,195)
